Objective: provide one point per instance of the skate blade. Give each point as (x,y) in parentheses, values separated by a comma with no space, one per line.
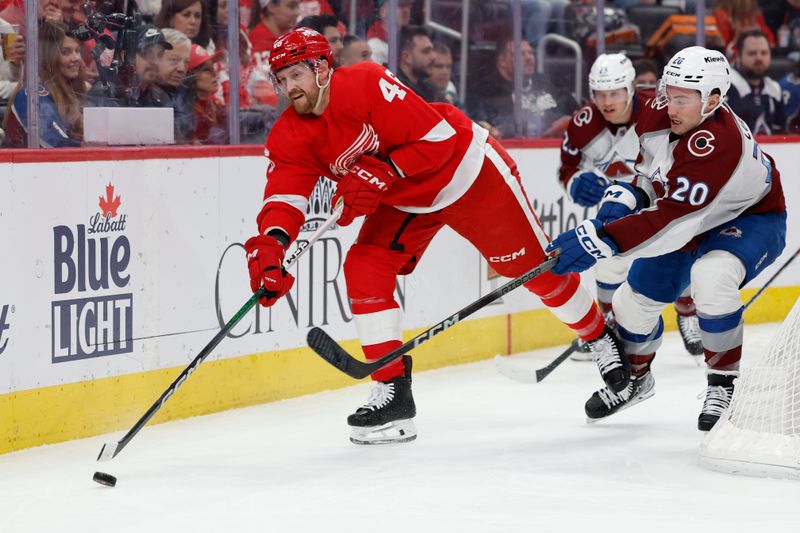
(581,356)
(392,432)
(638,399)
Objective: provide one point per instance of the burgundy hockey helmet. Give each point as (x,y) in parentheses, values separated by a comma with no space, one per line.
(302,44)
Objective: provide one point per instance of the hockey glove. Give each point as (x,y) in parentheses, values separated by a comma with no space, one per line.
(620,200)
(265,263)
(581,247)
(362,188)
(587,188)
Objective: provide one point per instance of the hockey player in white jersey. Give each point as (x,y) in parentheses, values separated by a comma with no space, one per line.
(706,207)
(599,150)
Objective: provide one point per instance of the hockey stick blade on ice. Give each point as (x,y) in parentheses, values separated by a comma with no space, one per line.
(112,449)
(510,370)
(330,351)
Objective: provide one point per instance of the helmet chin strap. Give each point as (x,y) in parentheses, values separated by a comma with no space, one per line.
(322,88)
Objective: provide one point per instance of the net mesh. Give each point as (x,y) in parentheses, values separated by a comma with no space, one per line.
(760,432)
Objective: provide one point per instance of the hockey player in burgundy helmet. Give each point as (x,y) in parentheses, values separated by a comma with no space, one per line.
(706,208)
(597,158)
(410,168)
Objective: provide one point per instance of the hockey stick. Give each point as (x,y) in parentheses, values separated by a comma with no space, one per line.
(112,449)
(772,278)
(510,370)
(330,351)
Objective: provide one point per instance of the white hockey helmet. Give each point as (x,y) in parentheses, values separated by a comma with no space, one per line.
(700,69)
(612,71)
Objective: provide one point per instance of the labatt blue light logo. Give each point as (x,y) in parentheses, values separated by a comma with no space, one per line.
(91,263)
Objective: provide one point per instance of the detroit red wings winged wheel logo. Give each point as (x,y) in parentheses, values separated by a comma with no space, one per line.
(109,204)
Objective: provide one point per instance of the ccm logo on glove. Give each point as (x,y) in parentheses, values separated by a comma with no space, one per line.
(588,243)
(370,178)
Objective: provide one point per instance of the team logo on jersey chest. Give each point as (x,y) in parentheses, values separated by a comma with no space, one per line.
(584,116)
(367,142)
(700,143)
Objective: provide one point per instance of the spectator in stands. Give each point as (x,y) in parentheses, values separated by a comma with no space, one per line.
(354,50)
(172,70)
(274,18)
(313,8)
(377,34)
(754,96)
(415,64)
(647,73)
(210,118)
(62,91)
(328,27)
(737,16)
(546,109)
(190,17)
(11,66)
(143,90)
(442,72)
(790,90)
(48,10)
(246,8)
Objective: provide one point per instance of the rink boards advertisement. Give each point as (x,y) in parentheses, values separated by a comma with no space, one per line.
(119,270)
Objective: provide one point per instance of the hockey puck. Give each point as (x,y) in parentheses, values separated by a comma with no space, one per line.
(105,479)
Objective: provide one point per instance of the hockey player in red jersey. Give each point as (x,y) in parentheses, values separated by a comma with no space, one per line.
(706,207)
(599,151)
(411,168)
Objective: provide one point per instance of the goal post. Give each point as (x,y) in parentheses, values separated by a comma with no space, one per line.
(759,434)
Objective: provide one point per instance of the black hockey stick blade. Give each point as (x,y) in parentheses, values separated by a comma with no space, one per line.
(330,351)
(525,375)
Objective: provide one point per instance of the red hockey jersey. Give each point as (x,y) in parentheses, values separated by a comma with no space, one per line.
(437,149)
(696,181)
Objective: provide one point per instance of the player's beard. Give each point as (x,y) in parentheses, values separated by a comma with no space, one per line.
(304,105)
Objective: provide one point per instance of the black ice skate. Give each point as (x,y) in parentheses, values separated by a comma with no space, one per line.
(388,415)
(718,397)
(605,402)
(610,357)
(689,326)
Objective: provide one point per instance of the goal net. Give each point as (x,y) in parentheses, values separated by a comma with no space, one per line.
(759,434)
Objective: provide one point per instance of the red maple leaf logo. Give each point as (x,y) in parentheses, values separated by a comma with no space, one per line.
(109,204)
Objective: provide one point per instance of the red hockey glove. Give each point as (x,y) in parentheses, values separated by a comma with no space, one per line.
(362,188)
(265,263)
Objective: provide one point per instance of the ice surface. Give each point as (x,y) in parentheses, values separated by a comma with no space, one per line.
(492,455)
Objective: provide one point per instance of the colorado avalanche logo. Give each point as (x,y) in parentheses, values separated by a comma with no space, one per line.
(584,116)
(700,143)
(732,231)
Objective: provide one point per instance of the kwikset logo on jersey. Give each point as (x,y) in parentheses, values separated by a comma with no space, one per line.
(92,318)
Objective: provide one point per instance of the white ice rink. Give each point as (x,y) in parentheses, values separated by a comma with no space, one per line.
(492,455)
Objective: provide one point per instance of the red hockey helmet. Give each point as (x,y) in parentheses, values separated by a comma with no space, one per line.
(302,44)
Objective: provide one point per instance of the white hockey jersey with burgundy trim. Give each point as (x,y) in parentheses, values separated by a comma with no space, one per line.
(437,149)
(591,143)
(697,181)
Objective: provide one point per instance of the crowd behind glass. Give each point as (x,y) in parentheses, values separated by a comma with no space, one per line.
(176,54)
